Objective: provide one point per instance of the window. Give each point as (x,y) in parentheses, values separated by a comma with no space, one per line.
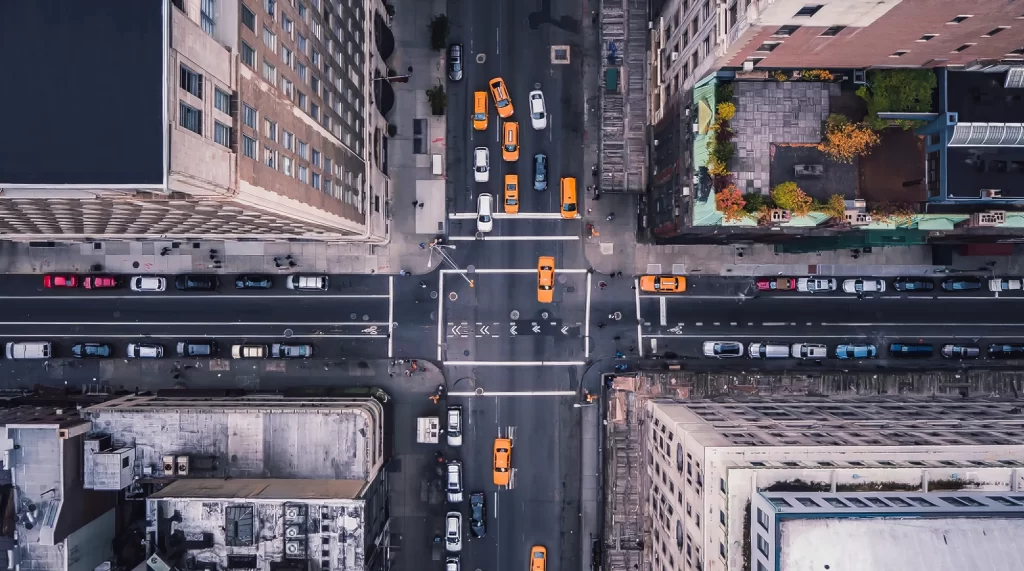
(316,158)
(302,100)
(303,174)
(269,158)
(721,517)
(301,70)
(961,48)
(762,519)
(316,58)
(317,31)
(248,18)
(706,11)
(270,129)
(287,86)
(314,82)
(784,32)
(221,101)
(303,150)
(959,19)
(994,31)
(191,81)
(287,140)
(248,116)
(269,5)
(248,147)
(832,32)
(248,55)
(287,165)
(1017,52)
(269,72)
(899,53)
(721,549)
(327,165)
(314,111)
(270,39)
(221,134)
(768,46)
(315,180)
(327,186)
(287,25)
(286,56)
(302,11)
(762,545)
(190,118)
(206,11)
(301,43)
(926,37)
(808,10)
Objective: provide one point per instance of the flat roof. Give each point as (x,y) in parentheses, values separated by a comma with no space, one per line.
(898,544)
(971,170)
(83,96)
(979,97)
(272,490)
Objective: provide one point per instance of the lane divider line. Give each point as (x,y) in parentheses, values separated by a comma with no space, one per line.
(515,363)
(309,297)
(511,271)
(484,393)
(512,238)
(505,216)
(391,316)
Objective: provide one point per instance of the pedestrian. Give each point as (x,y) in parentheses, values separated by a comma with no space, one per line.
(610,217)
(292,263)
(212,251)
(403,273)
(631,348)
(611,275)
(602,285)
(618,274)
(421,205)
(423,284)
(415,203)
(277,264)
(288,257)
(423,245)
(633,287)
(601,324)
(163,252)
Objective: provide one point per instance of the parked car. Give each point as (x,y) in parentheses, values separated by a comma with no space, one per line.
(453,430)
(723,349)
(100,282)
(291,351)
(961,351)
(861,285)
(307,282)
(481,164)
(454,482)
(196,348)
(663,284)
(92,350)
(962,283)
(254,282)
(502,461)
(538,110)
(452,563)
(145,350)
(759,350)
(478,514)
(913,284)
(453,531)
(776,284)
(248,351)
(196,282)
(484,213)
(814,351)
(540,172)
(1004,284)
(59,280)
(857,351)
(148,283)
(814,285)
(1006,351)
(911,350)
(455,62)
(29,350)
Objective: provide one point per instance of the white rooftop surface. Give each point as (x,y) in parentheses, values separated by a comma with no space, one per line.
(249,443)
(889,544)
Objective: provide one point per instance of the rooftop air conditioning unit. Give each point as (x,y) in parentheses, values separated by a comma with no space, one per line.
(992,192)
(779,215)
(168,465)
(990,218)
(857,218)
(748,65)
(182,465)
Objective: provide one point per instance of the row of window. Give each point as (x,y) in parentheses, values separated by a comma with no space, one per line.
(192,119)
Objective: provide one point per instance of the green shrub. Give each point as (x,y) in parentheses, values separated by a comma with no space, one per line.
(439,32)
(908,90)
(754,202)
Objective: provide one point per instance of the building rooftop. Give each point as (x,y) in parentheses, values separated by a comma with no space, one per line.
(979,97)
(84,102)
(247,437)
(941,544)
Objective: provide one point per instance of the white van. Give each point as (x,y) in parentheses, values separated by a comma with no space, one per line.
(768,351)
(29,350)
(306,282)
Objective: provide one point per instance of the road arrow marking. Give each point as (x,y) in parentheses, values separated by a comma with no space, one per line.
(371,330)
(565,330)
(536,328)
(483,330)
(512,330)
(457,330)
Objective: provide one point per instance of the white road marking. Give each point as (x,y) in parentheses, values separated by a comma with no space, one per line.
(586,338)
(510,238)
(391,316)
(201,323)
(200,297)
(773,323)
(922,324)
(639,321)
(512,271)
(817,336)
(440,315)
(204,335)
(663,311)
(502,215)
(515,363)
(483,393)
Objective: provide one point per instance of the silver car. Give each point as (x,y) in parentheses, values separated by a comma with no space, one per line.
(453,532)
(454,482)
(723,349)
(454,426)
(481,164)
(484,213)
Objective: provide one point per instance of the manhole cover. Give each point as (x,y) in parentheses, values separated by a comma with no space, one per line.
(481,58)
(514,314)
(544,315)
(433,295)
(453,296)
(288,333)
(479,392)
(352,316)
(560,54)
(366,317)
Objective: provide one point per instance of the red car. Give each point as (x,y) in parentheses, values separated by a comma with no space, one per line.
(776,284)
(55,280)
(97,282)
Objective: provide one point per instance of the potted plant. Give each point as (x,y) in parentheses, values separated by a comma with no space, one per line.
(438,32)
(438,99)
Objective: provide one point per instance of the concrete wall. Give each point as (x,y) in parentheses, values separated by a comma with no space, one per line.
(91,544)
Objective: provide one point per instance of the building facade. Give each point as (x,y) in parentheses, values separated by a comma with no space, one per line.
(710,466)
(240,117)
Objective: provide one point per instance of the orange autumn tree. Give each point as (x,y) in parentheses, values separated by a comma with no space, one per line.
(730,203)
(788,195)
(845,140)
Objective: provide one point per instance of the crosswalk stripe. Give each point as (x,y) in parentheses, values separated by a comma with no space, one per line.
(509,238)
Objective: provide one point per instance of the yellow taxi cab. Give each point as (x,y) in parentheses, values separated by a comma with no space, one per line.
(569,209)
(510,141)
(502,100)
(480,110)
(545,279)
(538,558)
(663,284)
(511,194)
(502,461)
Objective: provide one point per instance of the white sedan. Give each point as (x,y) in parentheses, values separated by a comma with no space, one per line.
(863,286)
(1003,284)
(481,164)
(484,213)
(538,110)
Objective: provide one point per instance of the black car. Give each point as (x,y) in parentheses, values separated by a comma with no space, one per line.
(196,282)
(960,351)
(1006,351)
(92,350)
(913,284)
(254,282)
(455,62)
(197,348)
(477,514)
(540,172)
(964,283)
